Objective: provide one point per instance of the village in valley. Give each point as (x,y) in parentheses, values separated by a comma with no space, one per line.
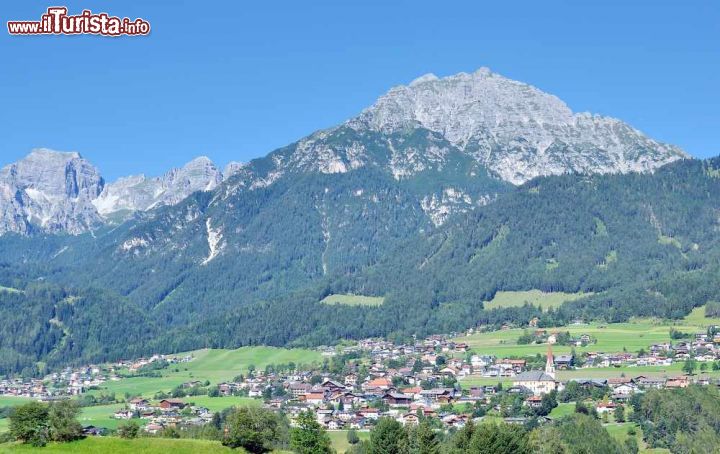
(352,385)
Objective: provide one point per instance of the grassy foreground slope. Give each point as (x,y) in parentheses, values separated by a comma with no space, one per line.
(114,445)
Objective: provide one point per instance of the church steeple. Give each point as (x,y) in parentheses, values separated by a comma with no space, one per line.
(550,363)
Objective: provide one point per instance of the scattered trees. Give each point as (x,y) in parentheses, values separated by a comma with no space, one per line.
(37,423)
(129,429)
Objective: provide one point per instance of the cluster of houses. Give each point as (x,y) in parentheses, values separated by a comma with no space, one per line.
(68,382)
(137,364)
(382,379)
(75,381)
(164,413)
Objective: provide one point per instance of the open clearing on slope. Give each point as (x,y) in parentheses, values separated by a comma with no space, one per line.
(696,318)
(545,300)
(353,300)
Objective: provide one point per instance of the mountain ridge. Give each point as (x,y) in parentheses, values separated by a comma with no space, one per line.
(464,137)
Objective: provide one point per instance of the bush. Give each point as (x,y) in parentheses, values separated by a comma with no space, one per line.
(352,437)
(129,430)
(64,425)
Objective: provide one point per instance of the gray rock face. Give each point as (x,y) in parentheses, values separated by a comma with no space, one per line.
(49,191)
(514,129)
(142,193)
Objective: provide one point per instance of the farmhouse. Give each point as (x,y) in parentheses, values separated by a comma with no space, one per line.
(171,404)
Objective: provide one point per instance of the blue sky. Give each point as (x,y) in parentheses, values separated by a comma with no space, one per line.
(234,80)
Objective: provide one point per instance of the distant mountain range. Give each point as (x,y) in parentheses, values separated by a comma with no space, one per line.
(478,126)
(51,191)
(439,195)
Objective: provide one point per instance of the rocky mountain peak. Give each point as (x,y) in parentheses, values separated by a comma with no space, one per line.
(49,190)
(514,129)
(140,193)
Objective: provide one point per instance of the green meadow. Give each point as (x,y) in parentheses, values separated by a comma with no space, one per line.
(696,318)
(114,445)
(100,416)
(7,401)
(221,403)
(563,409)
(538,298)
(216,365)
(353,300)
(339,439)
(610,338)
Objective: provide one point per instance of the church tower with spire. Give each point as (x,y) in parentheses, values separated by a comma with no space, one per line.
(550,363)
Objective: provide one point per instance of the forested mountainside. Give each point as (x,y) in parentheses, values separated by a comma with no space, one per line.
(234,266)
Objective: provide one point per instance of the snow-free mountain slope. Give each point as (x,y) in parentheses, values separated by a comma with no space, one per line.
(514,129)
(50,191)
(140,193)
(61,192)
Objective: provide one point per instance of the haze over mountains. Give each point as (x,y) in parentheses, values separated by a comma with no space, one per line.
(478,126)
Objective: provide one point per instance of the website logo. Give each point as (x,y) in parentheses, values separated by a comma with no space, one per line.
(57,22)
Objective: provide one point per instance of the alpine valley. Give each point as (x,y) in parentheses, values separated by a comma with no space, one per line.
(442,193)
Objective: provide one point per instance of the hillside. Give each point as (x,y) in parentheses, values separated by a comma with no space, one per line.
(642,244)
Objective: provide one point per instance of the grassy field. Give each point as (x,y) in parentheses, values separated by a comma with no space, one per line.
(535,297)
(221,403)
(353,300)
(563,409)
(6,401)
(113,445)
(614,372)
(696,318)
(610,338)
(213,365)
(155,445)
(100,416)
(339,439)
(470,381)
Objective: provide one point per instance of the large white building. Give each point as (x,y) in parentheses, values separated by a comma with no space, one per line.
(537,381)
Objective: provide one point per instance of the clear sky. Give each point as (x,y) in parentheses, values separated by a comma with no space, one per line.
(234,80)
